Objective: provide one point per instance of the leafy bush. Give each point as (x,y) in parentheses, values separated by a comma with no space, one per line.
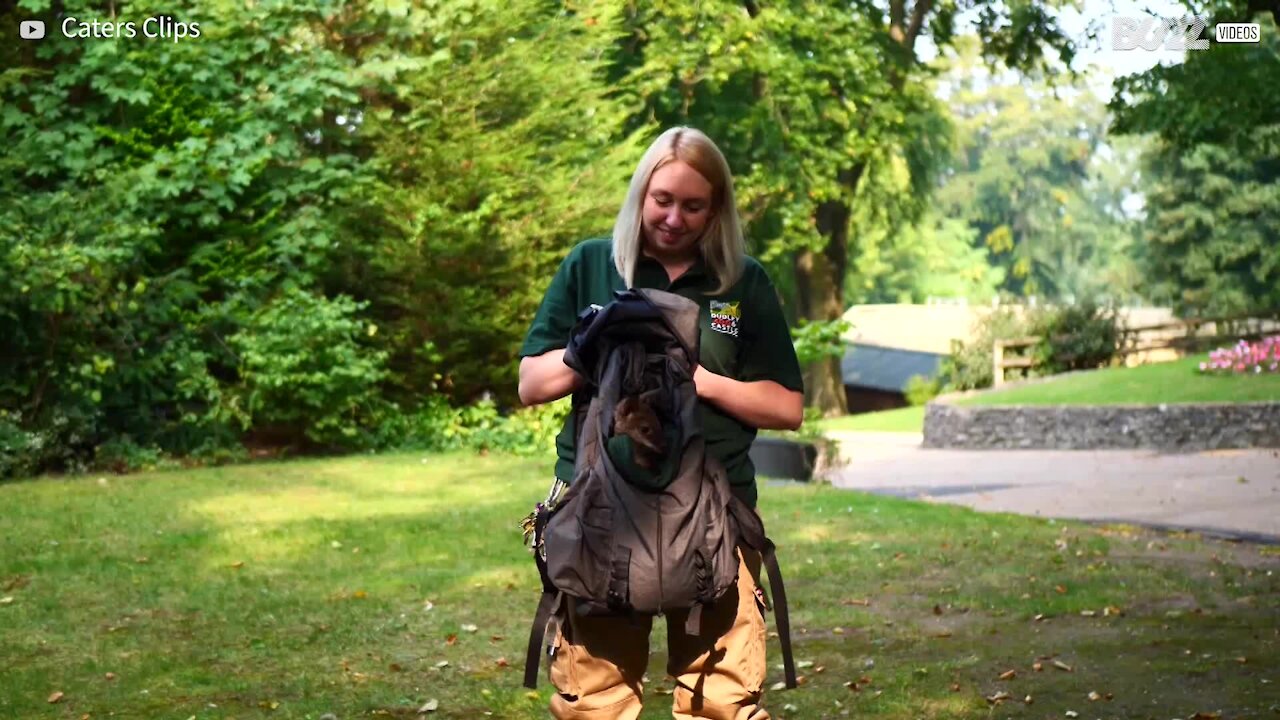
(303,370)
(1077,337)
(921,389)
(969,366)
(438,427)
(819,340)
(1245,358)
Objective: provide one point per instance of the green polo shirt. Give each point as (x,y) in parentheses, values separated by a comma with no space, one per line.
(743,336)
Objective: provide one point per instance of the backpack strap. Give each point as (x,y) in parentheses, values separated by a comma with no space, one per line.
(693,624)
(770,561)
(546,616)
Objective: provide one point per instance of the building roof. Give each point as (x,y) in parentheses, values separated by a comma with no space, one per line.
(881,368)
(922,328)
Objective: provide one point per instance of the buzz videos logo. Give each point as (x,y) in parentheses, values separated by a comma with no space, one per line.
(31,30)
(1149,33)
(1184,33)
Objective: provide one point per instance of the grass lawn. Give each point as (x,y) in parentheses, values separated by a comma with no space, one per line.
(368,586)
(907,419)
(1173,382)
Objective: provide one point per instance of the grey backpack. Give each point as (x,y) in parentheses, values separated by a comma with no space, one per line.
(648,523)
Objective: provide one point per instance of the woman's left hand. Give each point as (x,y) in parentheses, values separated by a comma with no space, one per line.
(703,381)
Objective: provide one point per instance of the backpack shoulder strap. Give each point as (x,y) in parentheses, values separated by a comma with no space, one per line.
(770,561)
(548,606)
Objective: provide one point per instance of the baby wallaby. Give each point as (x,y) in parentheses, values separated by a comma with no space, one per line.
(634,417)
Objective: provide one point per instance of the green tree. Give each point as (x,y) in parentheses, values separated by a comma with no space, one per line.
(818,107)
(152,196)
(1212,232)
(493,157)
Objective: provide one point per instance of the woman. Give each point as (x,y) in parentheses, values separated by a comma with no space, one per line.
(677,231)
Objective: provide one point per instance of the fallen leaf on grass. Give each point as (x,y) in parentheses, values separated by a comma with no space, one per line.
(56,697)
(496,638)
(1111,610)
(429,706)
(1008,674)
(394,667)
(1062,666)
(469,628)
(7,600)
(142,560)
(863,603)
(955,687)
(237,564)
(1037,666)
(1206,716)
(359,595)
(1242,660)
(1028,700)
(452,639)
(1072,714)
(802,664)
(442,664)
(1062,589)
(779,686)
(502,662)
(110,676)
(998,697)
(1088,613)
(1094,696)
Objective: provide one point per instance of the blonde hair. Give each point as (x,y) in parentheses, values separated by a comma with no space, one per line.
(721,244)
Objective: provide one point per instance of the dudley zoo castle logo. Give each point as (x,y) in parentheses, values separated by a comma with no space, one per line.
(724,317)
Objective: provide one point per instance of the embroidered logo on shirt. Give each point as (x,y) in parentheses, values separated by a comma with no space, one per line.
(724,317)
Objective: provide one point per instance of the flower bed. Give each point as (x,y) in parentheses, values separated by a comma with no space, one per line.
(1245,357)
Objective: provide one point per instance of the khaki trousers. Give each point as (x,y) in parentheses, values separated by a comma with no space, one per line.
(599,663)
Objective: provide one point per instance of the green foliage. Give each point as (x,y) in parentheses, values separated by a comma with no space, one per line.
(935,257)
(921,389)
(1212,233)
(437,426)
(507,157)
(1214,97)
(303,369)
(1072,337)
(1077,337)
(969,366)
(819,340)
(1037,184)
(1213,228)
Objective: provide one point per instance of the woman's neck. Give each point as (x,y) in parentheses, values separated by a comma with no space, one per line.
(675,267)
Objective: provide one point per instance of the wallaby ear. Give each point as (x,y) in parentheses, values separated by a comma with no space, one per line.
(627,406)
(652,399)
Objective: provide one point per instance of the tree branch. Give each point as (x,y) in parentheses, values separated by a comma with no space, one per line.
(918,13)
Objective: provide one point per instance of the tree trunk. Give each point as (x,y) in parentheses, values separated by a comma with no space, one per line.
(820,292)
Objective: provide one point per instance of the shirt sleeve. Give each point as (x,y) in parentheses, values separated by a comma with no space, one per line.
(769,353)
(556,315)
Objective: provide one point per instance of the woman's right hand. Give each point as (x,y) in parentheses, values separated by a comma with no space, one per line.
(545,377)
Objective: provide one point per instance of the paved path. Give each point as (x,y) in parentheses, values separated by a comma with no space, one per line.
(1235,493)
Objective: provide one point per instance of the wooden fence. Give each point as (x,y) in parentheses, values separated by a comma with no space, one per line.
(1149,343)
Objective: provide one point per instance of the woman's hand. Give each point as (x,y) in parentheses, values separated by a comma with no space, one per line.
(762,404)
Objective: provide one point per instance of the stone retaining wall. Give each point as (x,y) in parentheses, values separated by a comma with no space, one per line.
(1190,427)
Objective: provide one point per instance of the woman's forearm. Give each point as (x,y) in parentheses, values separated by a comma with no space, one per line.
(545,377)
(762,404)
